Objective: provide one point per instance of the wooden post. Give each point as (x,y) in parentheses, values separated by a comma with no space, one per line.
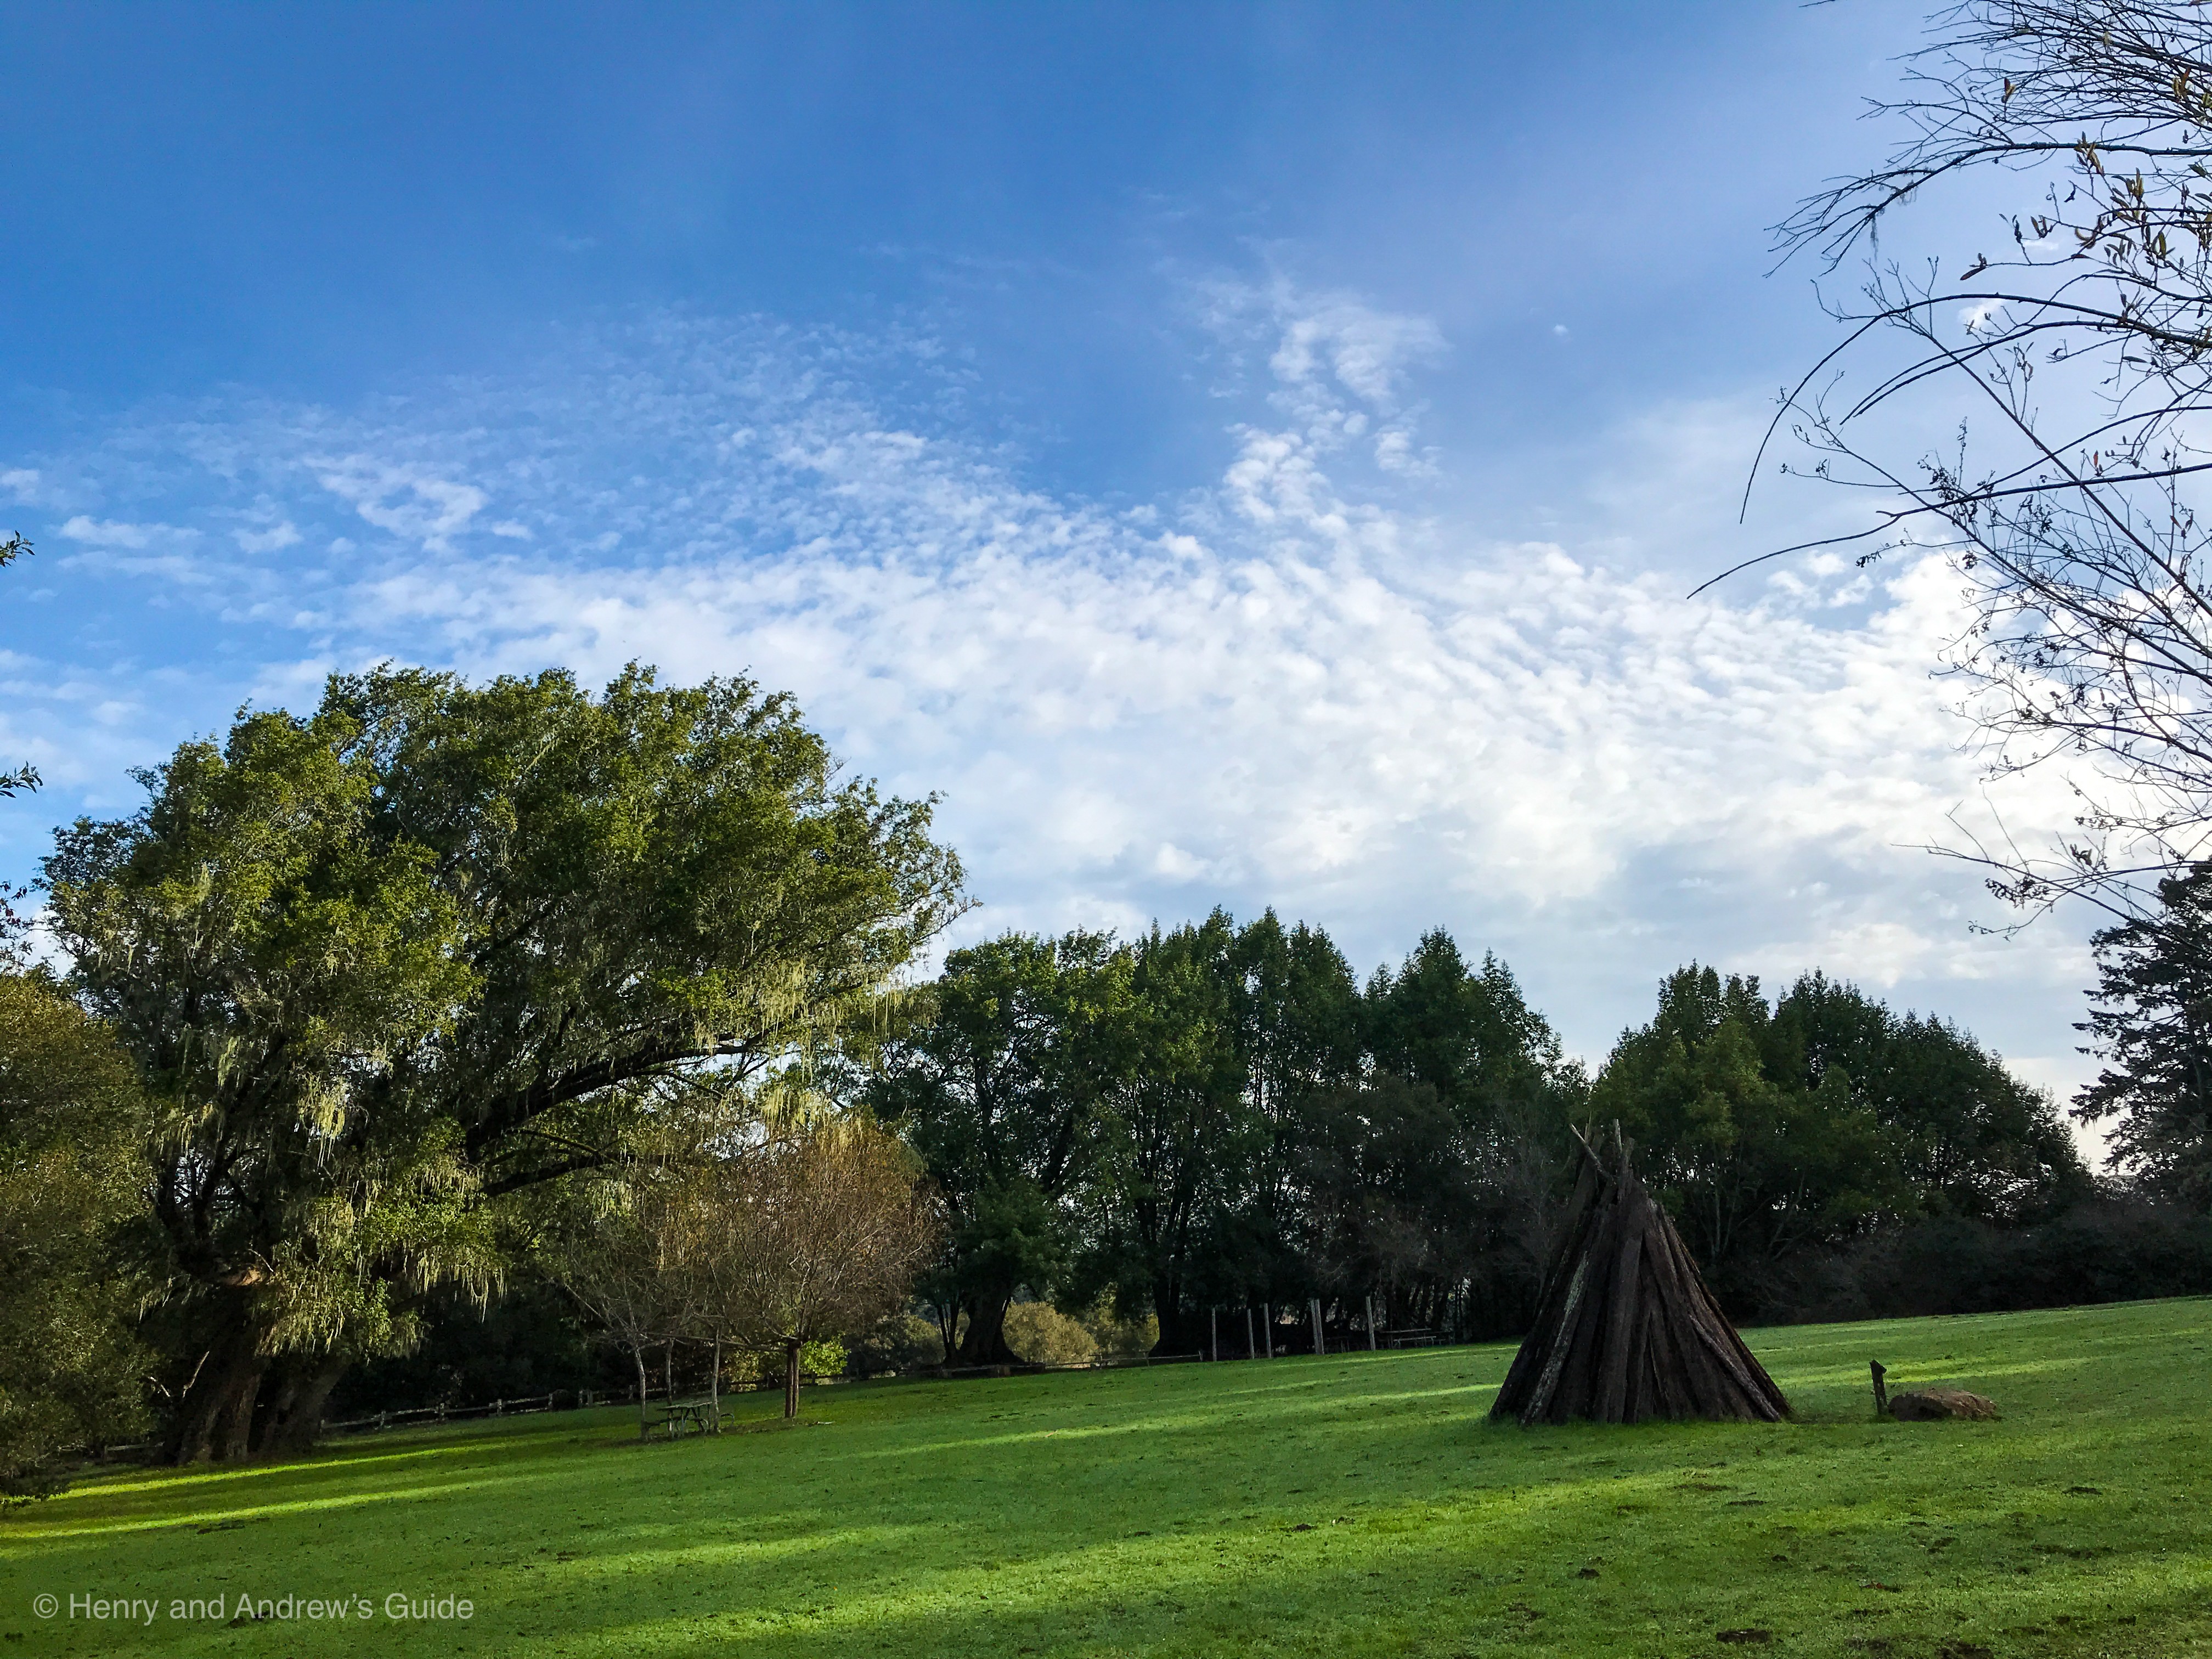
(1370,1324)
(1267,1326)
(1213,1332)
(1320,1344)
(1881,1390)
(1251,1346)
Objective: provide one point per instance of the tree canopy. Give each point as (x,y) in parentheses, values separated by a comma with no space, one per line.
(74,1129)
(1770,1130)
(432,945)
(2151,1023)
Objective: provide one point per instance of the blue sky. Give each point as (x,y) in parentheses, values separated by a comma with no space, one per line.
(1238,454)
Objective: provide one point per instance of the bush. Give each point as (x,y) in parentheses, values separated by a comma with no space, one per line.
(898,1342)
(1044,1335)
(1121,1338)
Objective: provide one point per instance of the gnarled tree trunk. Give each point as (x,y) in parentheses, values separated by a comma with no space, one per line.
(295,1418)
(984,1341)
(215,1420)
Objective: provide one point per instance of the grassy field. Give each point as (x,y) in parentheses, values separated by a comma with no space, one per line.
(1356,1505)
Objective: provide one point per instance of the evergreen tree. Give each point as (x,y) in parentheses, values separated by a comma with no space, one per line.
(2151,1023)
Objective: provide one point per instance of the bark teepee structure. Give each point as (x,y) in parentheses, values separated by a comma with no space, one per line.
(1625,1328)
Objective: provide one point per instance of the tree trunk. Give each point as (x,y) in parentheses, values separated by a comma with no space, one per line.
(791,1378)
(644,1423)
(215,1422)
(1167,1306)
(296,1422)
(230,1439)
(715,1387)
(984,1341)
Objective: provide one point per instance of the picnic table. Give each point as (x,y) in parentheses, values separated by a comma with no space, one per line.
(704,1415)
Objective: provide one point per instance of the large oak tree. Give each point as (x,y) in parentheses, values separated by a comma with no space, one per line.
(388,963)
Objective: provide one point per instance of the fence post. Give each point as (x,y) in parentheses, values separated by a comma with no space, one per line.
(1321,1346)
(1213,1331)
(1371,1323)
(1267,1326)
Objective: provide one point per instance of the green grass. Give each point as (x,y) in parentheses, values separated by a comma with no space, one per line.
(1349,1505)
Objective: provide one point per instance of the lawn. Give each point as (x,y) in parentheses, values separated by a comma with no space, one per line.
(1352,1504)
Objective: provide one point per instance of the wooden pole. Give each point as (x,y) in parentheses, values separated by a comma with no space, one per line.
(1370,1324)
(1321,1346)
(1251,1344)
(1213,1332)
(1267,1326)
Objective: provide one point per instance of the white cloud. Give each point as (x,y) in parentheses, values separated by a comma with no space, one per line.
(406,500)
(1368,352)
(271,540)
(105,534)
(1280,688)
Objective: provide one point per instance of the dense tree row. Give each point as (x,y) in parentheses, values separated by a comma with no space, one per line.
(1776,1131)
(1219,1115)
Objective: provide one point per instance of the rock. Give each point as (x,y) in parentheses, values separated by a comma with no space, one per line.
(1929,1405)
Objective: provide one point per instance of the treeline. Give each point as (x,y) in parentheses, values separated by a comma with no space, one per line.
(1217,1116)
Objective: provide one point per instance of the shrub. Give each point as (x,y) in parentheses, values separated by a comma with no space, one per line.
(1044,1335)
(897,1342)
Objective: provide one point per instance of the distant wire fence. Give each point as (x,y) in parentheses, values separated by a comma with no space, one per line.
(560,1400)
(582,1399)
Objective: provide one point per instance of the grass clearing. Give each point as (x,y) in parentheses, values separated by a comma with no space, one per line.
(1356,1503)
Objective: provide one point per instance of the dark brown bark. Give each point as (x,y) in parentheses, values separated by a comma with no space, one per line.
(214,1420)
(644,1422)
(791,1378)
(296,1422)
(984,1341)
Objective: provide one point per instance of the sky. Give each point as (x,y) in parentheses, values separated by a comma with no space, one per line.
(1234,454)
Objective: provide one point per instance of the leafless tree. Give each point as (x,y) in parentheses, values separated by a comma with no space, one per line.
(820,1232)
(2072,362)
(618,1250)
